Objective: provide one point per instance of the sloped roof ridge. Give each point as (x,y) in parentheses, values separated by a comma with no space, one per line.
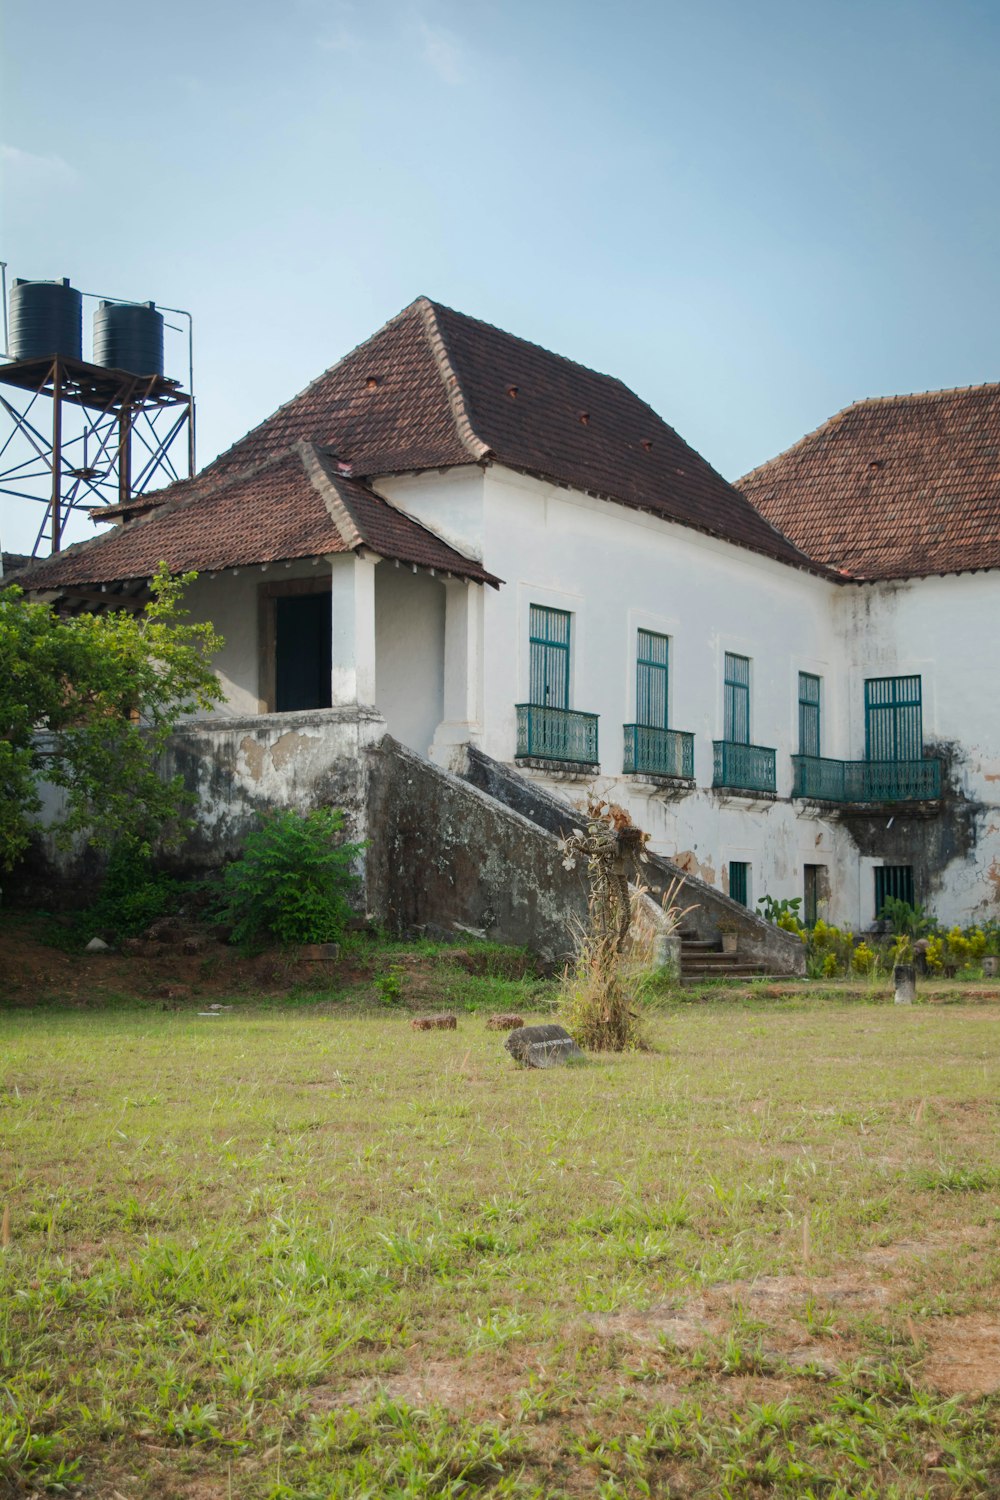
(311,385)
(452,385)
(324,482)
(864,401)
(166,507)
(530,344)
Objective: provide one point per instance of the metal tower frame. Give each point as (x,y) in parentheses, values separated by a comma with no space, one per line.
(111,435)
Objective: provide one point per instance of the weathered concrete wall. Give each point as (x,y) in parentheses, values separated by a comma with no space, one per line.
(759,940)
(445,854)
(240,767)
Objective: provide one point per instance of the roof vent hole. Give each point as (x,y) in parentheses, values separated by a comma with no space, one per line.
(512,392)
(585,417)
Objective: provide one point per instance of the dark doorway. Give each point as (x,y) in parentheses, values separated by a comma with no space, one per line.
(303,633)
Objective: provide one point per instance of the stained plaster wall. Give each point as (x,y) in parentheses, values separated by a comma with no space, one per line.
(938,628)
(238,767)
(617,571)
(230,600)
(443,854)
(409,653)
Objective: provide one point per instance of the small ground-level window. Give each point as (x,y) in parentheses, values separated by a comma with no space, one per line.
(739,881)
(894,881)
(815,888)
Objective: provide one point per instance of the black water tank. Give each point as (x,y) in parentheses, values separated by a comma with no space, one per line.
(45,318)
(129,336)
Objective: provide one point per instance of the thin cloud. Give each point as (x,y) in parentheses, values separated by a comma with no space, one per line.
(28,169)
(341,33)
(443,52)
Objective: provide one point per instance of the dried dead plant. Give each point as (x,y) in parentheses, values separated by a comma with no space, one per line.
(599,1001)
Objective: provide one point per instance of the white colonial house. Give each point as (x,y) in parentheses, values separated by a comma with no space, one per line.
(468,539)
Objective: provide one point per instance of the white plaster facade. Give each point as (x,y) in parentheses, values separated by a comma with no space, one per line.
(445,661)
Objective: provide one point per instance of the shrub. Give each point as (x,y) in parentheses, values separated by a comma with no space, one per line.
(133,894)
(911,921)
(864,960)
(292,880)
(900,951)
(934,954)
(828,950)
(390,985)
(784,914)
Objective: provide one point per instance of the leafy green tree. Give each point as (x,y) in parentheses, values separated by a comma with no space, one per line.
(87,702)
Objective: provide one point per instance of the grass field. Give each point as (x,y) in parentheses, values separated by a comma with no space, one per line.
(305,1251)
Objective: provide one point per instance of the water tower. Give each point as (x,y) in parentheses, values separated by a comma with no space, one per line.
(117,424)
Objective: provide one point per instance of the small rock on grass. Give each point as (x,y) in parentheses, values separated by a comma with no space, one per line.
(504,1022)
(435,1023)
(97,945)
(542,1046)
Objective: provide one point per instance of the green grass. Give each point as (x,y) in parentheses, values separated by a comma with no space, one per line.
(307,1252)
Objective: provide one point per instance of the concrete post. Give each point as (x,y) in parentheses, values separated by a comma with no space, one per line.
(904,977)
(352,595)
(462,711)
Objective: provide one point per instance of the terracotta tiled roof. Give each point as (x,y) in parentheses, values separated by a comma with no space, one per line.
(293,504)
(435,388)
(898,487)
(432,389)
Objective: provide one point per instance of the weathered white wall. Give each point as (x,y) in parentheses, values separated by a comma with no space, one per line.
(618,571)
(230,601)
(941,629)
(409,653)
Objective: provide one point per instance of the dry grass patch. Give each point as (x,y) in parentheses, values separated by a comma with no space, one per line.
(310,1253)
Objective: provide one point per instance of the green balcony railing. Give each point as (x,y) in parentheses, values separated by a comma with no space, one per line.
(823,780)
(556,734)
(658,752)
(743,768)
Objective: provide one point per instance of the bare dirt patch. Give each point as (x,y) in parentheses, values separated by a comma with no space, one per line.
(964,1357)
(464,1388)
(32,972)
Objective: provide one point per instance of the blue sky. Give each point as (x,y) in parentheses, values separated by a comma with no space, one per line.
(752,213)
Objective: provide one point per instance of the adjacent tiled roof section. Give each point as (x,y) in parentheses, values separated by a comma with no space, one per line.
(900,487)
(435,388)
(13,562)
(292,505)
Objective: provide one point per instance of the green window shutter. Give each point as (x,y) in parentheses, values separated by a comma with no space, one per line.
(737,700)
(893,718)
(652,667)
(738,881)
(548,631)
(808,714)
(895,881)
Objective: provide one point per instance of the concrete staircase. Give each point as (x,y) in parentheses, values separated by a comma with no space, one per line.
(763,948)
(702,959)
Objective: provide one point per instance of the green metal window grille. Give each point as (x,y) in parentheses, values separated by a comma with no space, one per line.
(548,632)
(737,703)
(739,871)
(808,714)
(652,665)
(895,881)
(893,719)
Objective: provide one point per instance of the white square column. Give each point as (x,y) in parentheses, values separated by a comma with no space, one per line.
(352,599)
(463,681)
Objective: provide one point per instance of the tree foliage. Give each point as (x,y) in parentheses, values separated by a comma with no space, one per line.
(86,704)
